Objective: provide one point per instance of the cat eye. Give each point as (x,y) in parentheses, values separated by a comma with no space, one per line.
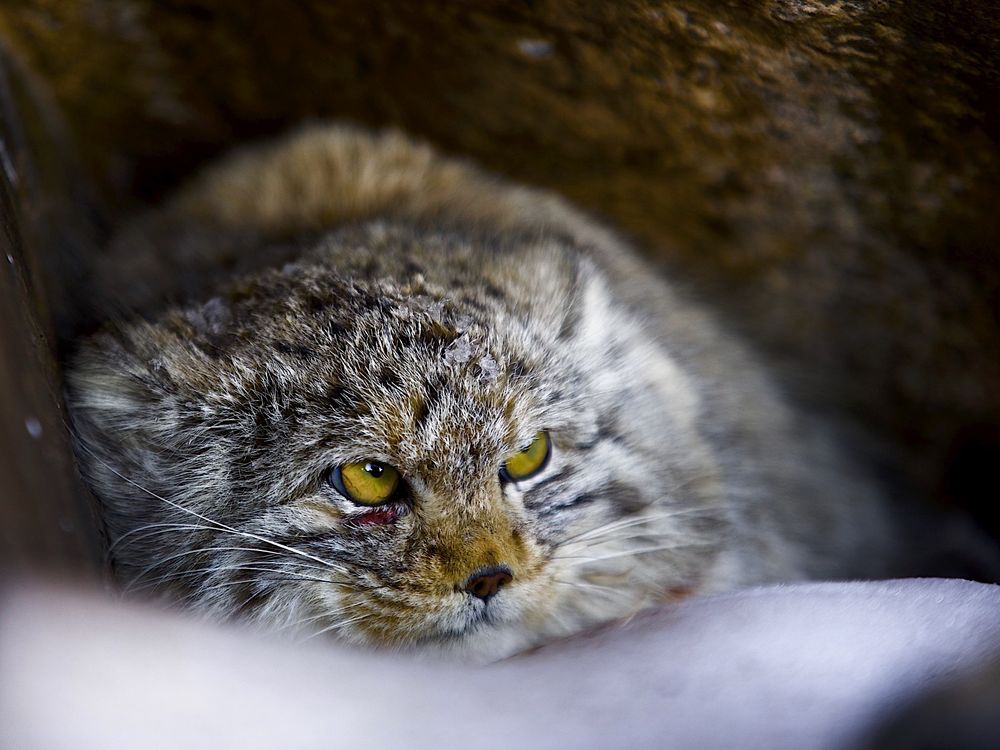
(528,462)
(365,482)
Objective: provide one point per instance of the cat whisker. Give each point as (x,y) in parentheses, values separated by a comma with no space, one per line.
(168,528)
(340,625)
(623,523)
(211,569)
(634,521)
(200,550)
(599,588)
(202,590)
(628,553)
(650,534)
(202,517)
(305,620)
(158,528)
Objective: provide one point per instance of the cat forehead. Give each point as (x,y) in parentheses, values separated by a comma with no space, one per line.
(362,348)
(402,362)
(445,408)
(309,317)
(382,337)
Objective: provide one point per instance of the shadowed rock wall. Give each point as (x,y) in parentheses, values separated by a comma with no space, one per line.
(47,521)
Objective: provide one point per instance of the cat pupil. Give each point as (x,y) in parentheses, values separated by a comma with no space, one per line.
(374,469)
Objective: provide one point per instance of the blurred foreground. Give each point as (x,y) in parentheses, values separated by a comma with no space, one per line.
(804,666)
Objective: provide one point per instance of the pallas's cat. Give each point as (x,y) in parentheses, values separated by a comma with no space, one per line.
(350,387)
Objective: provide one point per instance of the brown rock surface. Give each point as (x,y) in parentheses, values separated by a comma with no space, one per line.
(46,520)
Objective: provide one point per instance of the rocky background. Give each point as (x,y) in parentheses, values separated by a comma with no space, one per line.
(825,172)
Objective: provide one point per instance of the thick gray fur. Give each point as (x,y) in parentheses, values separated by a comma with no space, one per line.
(338,296)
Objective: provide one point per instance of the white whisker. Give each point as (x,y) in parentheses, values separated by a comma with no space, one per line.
(633,521)
(184,573)
(605,590)
(198,515)
(650,534)
(340,625)
(325,615)
(202,590)
(158,528)
(200,550)
(628,553)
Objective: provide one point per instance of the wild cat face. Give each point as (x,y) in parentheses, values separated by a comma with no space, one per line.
(453,455)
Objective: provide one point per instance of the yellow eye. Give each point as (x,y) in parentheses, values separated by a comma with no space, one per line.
(528,462)
(366,482)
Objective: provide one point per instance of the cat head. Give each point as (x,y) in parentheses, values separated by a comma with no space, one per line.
(407,439)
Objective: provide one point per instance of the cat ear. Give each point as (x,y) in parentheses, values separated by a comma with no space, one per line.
(210,319)
(124,419)
(544,278)
(596,318)
(112,378)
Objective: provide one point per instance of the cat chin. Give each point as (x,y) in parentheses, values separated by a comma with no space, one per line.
(479,633)
(484,642)
(481,645)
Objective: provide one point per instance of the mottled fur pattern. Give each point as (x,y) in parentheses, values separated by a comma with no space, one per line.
(340,297)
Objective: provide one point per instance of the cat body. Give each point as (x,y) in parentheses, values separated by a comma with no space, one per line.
(338,299)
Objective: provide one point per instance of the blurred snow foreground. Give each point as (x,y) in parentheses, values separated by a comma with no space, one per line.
(800,666)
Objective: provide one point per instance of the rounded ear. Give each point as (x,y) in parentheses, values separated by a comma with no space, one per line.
(124,413)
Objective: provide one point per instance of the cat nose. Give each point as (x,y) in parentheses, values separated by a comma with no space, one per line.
(485,582)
